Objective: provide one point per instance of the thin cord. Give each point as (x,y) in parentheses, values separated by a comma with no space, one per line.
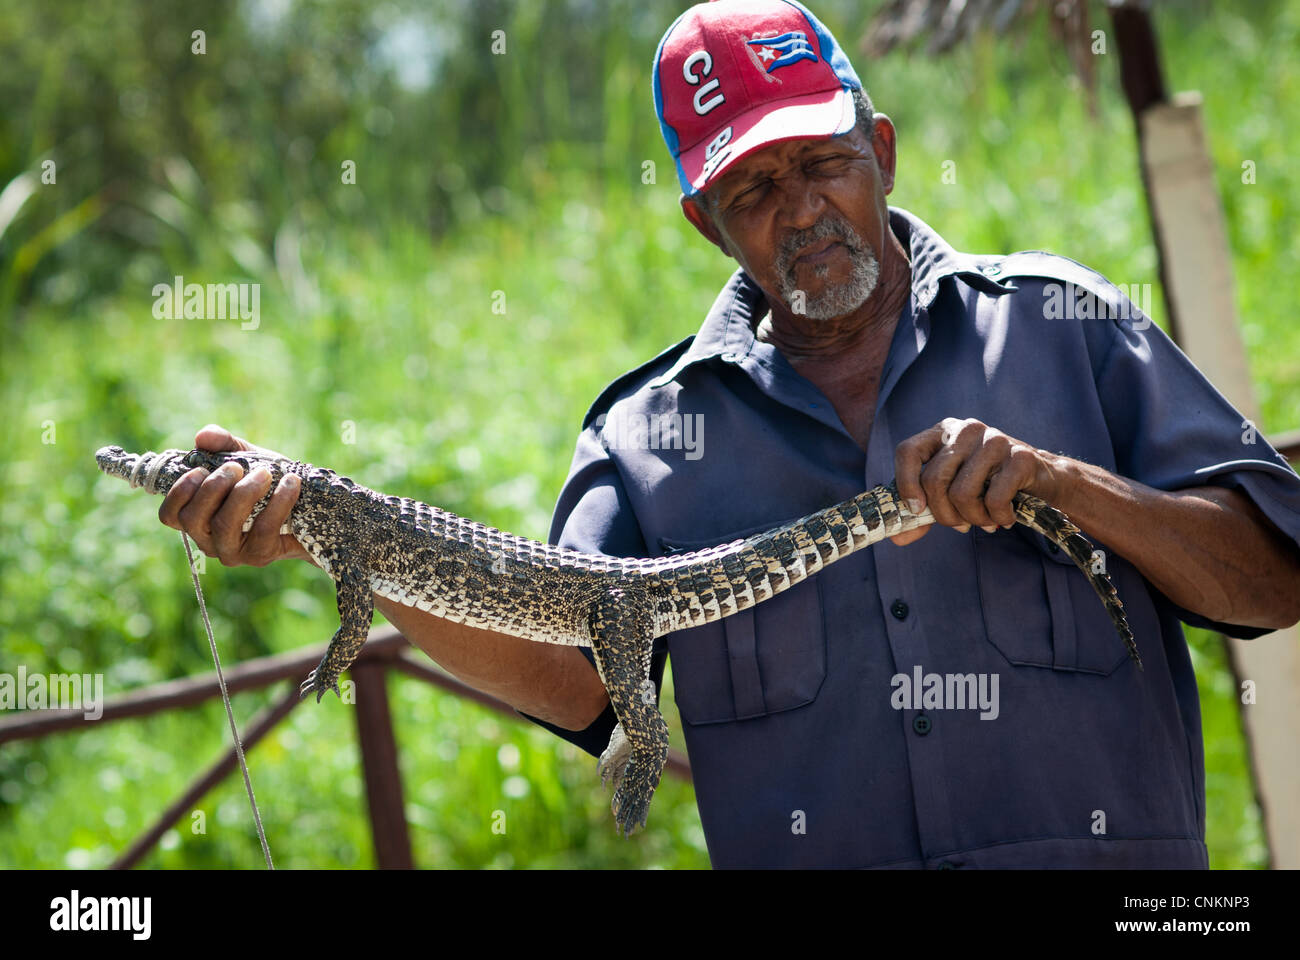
(225,695)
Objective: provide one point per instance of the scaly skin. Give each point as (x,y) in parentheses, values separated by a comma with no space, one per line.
(463,571)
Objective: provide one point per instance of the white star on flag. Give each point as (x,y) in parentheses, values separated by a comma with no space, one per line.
(767,53)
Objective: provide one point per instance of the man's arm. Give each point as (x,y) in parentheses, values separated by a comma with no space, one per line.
(554,683)
(1208,549)
(548,681)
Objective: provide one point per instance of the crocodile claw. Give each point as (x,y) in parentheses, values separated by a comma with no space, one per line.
(631,802)
(317,684)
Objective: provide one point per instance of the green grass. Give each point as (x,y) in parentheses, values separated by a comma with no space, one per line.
(477,411)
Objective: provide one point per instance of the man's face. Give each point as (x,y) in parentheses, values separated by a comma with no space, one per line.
(806,218)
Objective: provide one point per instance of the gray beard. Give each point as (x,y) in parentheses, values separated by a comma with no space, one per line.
(835,299)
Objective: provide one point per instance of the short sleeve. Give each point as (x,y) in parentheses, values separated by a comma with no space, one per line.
(594,515)
(1172,429)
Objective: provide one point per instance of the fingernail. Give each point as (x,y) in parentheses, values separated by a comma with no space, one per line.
(1007,526)
(915,505)
(261,474)
(989,528)
(964,528)
(291,481)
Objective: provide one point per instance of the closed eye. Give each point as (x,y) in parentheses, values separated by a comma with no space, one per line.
(828,163)
(750,194)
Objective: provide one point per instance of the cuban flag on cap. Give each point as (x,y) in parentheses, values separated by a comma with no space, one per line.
(732,76)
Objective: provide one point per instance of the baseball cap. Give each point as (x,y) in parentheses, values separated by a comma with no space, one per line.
(732,76)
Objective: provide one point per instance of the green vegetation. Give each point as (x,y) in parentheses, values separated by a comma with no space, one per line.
(519,173)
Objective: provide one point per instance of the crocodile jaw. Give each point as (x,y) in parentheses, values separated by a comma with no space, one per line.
(156,472)
(116,462)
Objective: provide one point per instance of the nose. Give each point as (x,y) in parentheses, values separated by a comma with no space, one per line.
(804,203)
(107,455)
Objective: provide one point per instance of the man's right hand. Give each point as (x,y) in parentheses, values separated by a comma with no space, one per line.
(212,508)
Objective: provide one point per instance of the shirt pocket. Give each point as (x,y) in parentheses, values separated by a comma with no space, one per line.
(1039,608)
(764,660)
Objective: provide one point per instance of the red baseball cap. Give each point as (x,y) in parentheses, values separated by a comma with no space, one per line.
(732,76)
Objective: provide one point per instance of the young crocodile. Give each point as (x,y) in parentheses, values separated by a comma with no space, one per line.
(469,573)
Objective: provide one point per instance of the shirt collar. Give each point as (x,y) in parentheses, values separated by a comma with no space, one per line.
(728,330)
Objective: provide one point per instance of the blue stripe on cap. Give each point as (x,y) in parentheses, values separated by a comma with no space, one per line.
(830,50)
(670,135)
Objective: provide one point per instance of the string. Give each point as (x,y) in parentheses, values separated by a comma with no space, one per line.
(146,472)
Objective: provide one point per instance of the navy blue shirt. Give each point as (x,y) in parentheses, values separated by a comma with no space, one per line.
(802,751)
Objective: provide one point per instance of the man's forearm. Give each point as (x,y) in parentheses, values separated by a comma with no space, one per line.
(551,682)
(1208,549)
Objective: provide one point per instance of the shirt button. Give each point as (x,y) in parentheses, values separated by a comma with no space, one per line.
(948,865)
(899,609)
(730,357)
(921,724)
(1052,547)
(990,269)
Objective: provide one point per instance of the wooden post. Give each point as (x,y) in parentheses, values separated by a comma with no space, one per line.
(379,765)
(1198,288)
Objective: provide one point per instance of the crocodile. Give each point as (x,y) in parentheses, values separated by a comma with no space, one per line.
(466,572)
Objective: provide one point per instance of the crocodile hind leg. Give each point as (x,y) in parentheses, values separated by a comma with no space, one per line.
(622,634)
(356,609)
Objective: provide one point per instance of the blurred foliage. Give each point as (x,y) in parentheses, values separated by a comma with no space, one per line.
(475,173)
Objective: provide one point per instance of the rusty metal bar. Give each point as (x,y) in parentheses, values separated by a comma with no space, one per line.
(379,766)
(677,764)
(384,644)
(260,727)
(1288,444)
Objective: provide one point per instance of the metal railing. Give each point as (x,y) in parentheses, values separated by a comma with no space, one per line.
(1288,444)
(385,649)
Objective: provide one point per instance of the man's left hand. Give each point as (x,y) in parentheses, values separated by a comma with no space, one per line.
(948,467)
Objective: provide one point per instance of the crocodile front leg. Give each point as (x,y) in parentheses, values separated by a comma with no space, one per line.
(622,633)
(356,610)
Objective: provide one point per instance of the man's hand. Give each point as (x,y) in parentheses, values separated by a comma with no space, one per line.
(948,466)
(212,508)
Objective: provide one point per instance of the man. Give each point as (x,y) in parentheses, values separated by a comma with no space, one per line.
(853,344)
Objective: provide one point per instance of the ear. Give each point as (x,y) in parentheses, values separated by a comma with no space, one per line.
(702,222)
(884,144)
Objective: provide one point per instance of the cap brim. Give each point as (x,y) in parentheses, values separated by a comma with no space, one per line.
(826,113)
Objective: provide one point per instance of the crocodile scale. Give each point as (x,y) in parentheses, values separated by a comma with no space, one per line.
(469,573)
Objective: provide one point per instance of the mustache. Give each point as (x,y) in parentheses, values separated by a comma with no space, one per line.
(829,227)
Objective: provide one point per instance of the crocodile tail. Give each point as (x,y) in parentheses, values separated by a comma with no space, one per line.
(723,580)
(726,579)
(1056,526)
